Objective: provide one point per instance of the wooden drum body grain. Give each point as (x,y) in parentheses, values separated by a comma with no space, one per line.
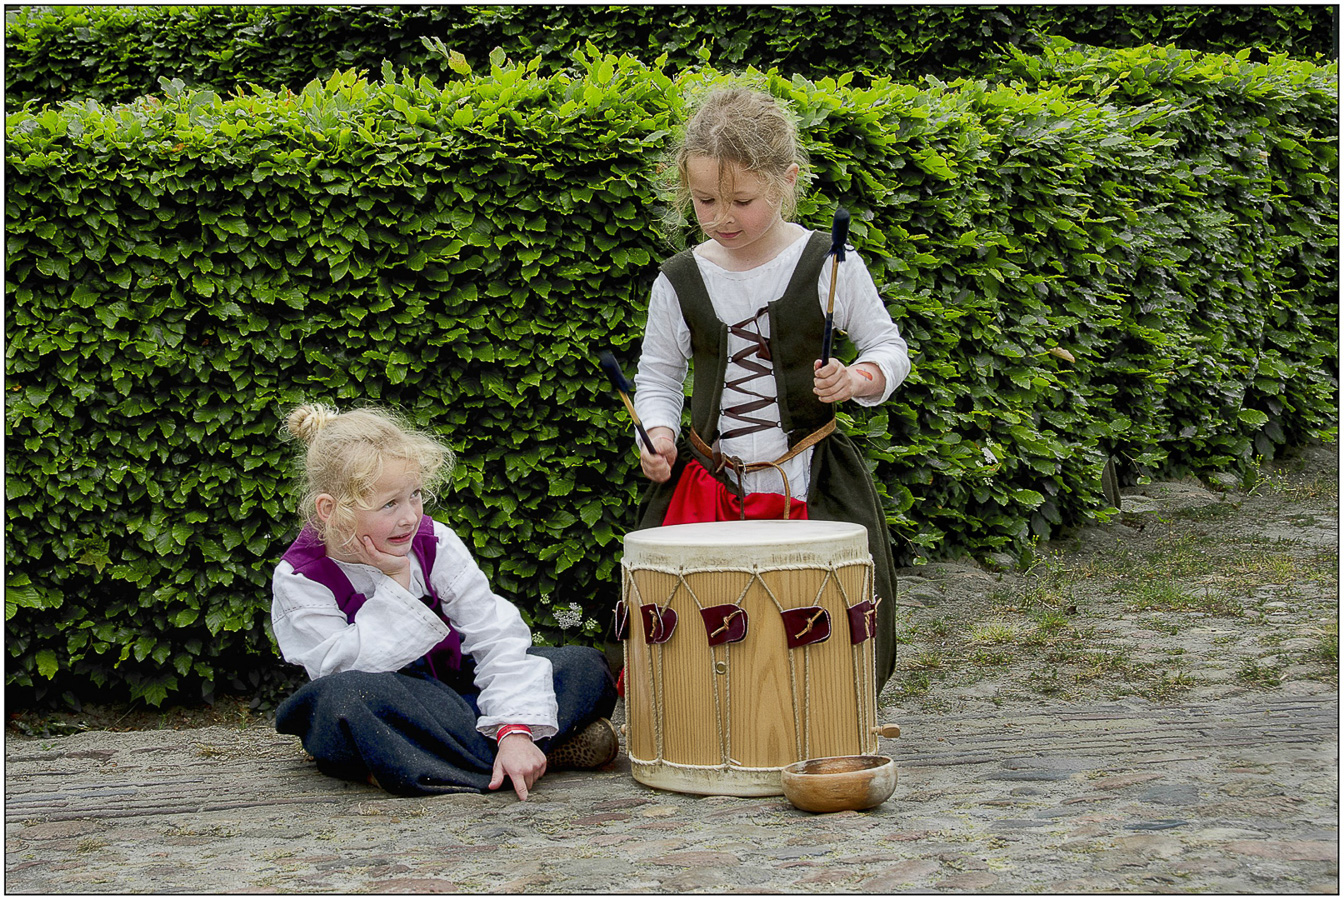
(748,647)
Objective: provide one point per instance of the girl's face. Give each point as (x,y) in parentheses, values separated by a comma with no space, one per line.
(394,509)
(737,211)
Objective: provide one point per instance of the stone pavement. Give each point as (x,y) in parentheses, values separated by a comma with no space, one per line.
(1238,796)
(1232,790)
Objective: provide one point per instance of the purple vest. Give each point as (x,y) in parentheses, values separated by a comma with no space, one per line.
(308,556)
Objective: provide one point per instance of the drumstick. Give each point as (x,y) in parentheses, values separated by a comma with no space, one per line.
(613,370)
(839,233)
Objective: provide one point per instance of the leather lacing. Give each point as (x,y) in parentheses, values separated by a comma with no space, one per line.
(753,358)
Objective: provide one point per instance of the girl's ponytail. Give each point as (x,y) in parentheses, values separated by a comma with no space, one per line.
(306,421)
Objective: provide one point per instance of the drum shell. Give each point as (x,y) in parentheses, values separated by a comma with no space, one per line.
(726,719)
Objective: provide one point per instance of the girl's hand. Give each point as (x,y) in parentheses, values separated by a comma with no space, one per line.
(658,466)
(835,383)
(521,761)
(397,567)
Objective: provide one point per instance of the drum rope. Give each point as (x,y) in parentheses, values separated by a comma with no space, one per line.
(798,723)
(662,676)
(807,668)
(793,670)
(723,710)
(870,667)
(662,683)
(725,713)
(865,677)
(656,685)
(807,701)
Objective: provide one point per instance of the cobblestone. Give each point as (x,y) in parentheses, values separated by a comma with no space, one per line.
(1222,789)
(1110,815)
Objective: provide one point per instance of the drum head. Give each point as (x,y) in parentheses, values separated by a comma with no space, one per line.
(771,542)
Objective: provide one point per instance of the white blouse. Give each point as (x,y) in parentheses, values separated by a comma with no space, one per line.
(394,628)
(664,361)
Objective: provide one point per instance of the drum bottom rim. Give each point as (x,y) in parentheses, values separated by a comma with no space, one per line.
(710,781)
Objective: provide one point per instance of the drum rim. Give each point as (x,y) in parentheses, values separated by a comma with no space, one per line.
(748,533)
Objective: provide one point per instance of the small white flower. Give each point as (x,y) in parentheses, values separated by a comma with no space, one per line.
(568,618)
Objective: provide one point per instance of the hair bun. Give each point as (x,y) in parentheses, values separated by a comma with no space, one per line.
(307,420)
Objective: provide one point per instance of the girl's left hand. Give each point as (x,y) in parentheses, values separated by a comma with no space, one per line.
(396,567)
(521,761)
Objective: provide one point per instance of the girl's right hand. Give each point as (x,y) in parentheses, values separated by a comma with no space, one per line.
(521,761)
(658,466)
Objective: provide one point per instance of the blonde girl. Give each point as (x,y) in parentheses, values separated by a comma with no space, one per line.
(423,680)
(744,311)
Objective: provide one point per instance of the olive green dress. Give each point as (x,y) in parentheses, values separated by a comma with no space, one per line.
(841,488)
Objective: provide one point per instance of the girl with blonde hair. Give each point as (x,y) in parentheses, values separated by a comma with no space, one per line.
(746,311)
(423,679)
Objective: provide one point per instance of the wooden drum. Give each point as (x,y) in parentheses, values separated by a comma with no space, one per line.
(748,647)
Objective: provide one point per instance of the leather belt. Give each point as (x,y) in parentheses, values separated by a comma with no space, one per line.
(720,461)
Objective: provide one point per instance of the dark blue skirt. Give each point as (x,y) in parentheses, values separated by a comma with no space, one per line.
(416,734)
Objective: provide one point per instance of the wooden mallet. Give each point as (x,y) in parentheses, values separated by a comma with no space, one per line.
(839,234)
(613,370)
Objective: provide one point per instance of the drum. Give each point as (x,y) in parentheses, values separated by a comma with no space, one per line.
(748,647)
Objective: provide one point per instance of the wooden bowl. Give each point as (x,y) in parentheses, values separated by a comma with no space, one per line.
(836,783)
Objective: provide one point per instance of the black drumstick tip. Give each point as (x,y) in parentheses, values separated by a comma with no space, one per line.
(839,233)
(613,370)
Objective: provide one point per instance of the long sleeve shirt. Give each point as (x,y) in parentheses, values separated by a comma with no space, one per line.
(394,627)
(664,361)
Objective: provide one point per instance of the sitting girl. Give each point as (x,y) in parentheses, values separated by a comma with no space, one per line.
(423,679)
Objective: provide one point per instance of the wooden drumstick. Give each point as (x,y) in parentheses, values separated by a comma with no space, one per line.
(886,731)
(839,234)
(613,370)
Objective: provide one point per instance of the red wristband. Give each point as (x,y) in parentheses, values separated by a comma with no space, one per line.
(506,730)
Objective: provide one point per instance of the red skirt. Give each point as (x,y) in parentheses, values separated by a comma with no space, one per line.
(700,497)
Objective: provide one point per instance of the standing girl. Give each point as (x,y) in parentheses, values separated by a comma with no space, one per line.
(423,679)
(748,306)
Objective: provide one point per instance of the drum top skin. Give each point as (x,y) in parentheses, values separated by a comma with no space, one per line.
(764,543)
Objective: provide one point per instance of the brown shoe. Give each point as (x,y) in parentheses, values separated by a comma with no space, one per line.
(594,746)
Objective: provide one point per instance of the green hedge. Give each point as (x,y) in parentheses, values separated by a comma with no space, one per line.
(183,269)
(115,54)
(1257,142)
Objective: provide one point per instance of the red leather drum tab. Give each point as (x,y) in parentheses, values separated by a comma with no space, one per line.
(862,621)
(726,624)
(658,624)
(621,620)
(806,625)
